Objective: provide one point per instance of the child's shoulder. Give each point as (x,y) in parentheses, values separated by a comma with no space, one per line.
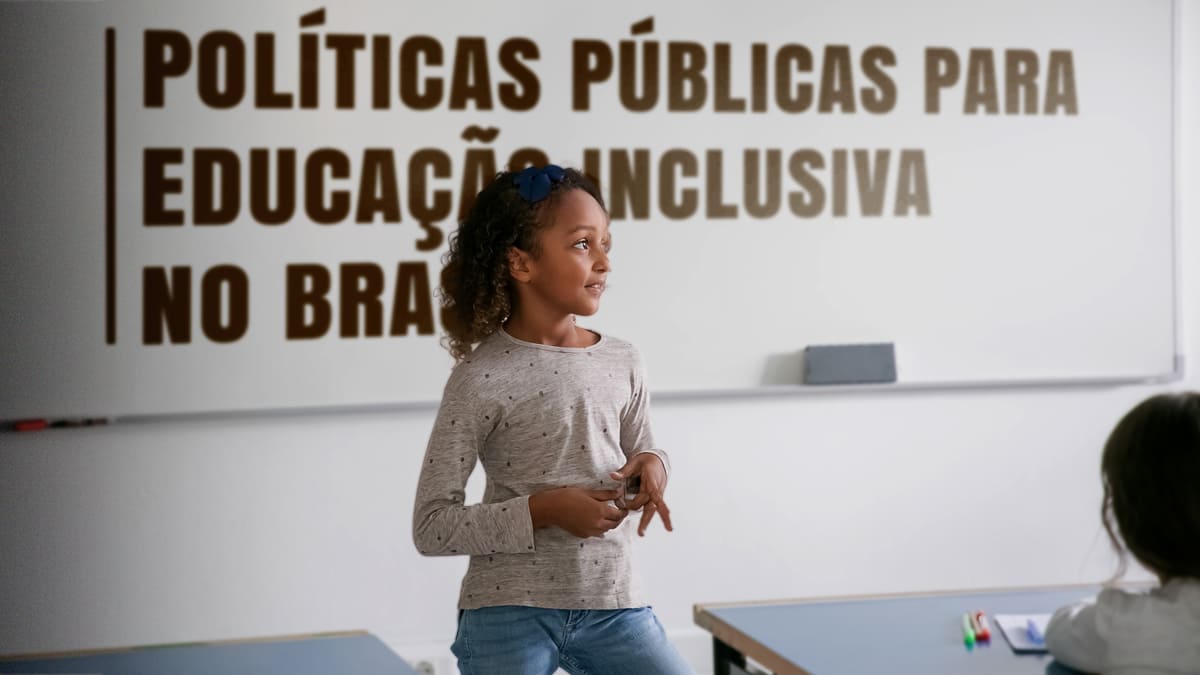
(1177,592)
(620,348)
(484,356)
(615,342)
(1157,626)
(1183,590)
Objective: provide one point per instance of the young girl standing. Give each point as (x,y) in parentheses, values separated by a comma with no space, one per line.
(1151,474)
(557,414)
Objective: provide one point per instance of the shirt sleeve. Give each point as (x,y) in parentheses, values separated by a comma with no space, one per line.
(442,523)
(1073,636)
(636,435)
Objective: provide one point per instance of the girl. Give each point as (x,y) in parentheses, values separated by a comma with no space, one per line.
(1151,475)
(557,415)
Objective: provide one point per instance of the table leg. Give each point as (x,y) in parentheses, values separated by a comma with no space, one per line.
(727,660)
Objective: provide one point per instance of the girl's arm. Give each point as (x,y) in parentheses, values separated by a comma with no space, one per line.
(637,442)
(442,523)
(1072,637)
(636,434)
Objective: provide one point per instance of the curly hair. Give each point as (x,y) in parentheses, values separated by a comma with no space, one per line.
(1151,469)
(476,291)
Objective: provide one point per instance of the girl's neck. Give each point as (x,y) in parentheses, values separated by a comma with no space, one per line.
(555,332)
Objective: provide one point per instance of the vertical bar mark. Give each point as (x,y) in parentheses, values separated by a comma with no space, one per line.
(110,186)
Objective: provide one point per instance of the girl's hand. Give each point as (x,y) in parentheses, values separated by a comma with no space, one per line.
(653,475)
(583,513)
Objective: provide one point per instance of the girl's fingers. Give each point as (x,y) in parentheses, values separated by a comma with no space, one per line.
(638,502)
(655,504)
(610,521)
(616,515)
(651,492)
(647,516)
(605,495)
(664,513)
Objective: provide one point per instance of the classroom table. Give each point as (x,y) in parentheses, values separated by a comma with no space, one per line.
(914,633)
(355,652)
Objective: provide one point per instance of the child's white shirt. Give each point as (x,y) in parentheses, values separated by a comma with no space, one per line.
(1123,632)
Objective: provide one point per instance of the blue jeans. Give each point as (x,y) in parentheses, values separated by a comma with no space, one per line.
(512,640)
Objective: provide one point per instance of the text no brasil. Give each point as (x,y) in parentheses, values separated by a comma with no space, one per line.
(364,300)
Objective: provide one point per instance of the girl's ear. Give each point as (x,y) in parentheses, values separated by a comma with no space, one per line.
(518,264)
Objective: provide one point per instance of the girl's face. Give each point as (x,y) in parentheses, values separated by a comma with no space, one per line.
(569,273)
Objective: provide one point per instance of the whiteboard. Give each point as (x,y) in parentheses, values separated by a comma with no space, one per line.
(804,173)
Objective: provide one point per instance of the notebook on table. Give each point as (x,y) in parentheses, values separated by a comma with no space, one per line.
(1024,632)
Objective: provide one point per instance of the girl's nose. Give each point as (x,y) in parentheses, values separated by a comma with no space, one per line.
(602,262)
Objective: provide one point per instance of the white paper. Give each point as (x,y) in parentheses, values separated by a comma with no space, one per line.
(1016,630)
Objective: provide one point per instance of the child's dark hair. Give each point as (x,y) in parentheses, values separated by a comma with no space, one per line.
(476,289)
(1151,474)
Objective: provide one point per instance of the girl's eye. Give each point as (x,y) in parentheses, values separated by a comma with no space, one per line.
(582,244)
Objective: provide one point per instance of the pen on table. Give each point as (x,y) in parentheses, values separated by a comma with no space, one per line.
(1035,635)
(982,632)
(968,631)
(38,424)
(79,422)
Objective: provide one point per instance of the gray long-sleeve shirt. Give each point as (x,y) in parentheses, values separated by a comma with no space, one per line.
(537,417)
(1124,632)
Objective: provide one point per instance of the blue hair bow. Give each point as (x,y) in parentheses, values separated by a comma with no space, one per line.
(534,183)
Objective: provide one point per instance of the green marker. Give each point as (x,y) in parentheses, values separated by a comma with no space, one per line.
(968,631)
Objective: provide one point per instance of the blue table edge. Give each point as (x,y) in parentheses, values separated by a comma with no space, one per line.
(70,654)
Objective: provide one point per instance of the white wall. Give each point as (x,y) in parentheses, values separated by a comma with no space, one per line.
(210,529)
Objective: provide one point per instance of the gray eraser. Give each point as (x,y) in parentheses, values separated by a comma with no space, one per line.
(850,364)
